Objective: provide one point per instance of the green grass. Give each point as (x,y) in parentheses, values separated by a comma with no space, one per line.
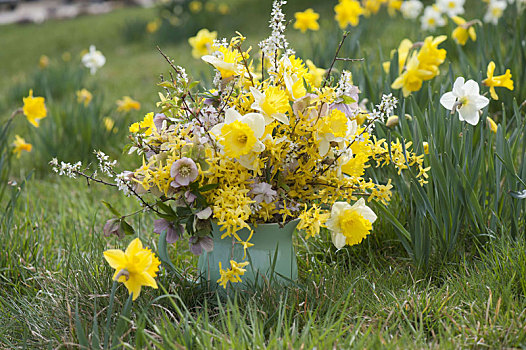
(53,279)
(365,296)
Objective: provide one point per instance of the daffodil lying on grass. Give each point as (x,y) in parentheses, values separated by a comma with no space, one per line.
(135,267)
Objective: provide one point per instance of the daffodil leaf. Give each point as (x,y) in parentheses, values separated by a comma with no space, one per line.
(518,194)
(111,208)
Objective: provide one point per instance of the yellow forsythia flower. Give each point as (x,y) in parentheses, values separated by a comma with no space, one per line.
(135,267)
(84,96)
(498,80)
(21,145)
(307,19)
(232,274)
(127,104)
(202,43)
(463,31)
(348,12)
(34,108)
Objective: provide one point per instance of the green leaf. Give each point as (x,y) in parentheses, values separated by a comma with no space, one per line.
(193,84)
(208,187)
(111,208)
(127,228)
(81,336)
(347,99)
(163,251)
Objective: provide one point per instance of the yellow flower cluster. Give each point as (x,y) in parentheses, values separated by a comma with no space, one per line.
(231,274)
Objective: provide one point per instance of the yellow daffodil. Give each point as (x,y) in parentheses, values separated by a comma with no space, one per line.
(223,9)
(430,56)
(227,63)
(195,6)
(412,78)
(333,128)
(403,51)
(393,6)
(492,125)
(273,103)
(425,145)
(202,43)
(499,80)
(34,108)
(127,104)
(21,145)
(84,96)
(147,123)
(153,26)
(135,267)
(108,123)
(43,62)
(371,7)
(240,136)
(307,19)
(348,12)
(464,30)
(317,74)
(350,224)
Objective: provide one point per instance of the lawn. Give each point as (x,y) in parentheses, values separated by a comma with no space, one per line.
(444,267)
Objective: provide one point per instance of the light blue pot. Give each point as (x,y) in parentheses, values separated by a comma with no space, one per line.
(272,255)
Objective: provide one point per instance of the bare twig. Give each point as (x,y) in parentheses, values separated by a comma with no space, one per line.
(345,34)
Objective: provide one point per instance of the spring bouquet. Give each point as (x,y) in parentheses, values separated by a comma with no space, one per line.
(273,141)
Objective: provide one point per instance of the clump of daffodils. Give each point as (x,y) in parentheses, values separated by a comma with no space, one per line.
(266,145)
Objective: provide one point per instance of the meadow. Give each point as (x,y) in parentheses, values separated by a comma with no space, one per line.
(444,266)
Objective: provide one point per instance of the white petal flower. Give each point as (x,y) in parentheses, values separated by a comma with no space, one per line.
(432,18)
(93,60)
(411,9)
(495,11)
(451,7)
(465,99)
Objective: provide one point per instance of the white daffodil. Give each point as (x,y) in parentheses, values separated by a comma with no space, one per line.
(271,103)
(93,60)
(451,7)
(411,9)
(432,18)
(465,99)
(240,136)
(350,224)
(495,11)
